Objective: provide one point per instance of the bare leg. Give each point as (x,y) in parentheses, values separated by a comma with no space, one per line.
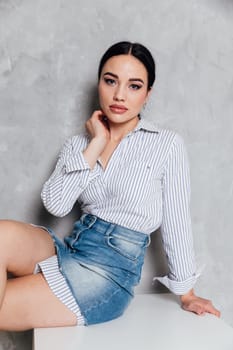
(22,246)
(29,299)
(29,303)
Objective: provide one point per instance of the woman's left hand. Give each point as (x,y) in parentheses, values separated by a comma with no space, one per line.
(193,303)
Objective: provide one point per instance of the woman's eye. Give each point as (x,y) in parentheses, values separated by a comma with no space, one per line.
(135,86)
(109,81)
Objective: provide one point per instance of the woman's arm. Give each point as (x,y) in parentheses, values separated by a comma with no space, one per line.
(70,177)
(177,233)
(176,222)
(75,168)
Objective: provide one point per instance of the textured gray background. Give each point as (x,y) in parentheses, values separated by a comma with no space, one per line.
(49,51)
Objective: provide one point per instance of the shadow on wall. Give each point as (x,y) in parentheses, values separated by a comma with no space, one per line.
(156,263)
(92,100)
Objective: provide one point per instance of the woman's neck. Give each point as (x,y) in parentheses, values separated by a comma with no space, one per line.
(119,131)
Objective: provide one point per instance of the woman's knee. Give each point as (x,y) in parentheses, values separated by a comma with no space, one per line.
(7,238)
(7,230)
(22,245)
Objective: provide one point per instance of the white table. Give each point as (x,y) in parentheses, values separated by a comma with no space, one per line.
(152,322)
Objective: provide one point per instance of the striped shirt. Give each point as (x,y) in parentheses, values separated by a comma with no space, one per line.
(145,186)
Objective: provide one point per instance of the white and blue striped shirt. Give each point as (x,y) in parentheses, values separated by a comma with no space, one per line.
(145,186)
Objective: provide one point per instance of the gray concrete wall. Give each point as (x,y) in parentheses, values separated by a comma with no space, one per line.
(49,51)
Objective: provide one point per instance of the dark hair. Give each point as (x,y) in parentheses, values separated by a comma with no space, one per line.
(135,49)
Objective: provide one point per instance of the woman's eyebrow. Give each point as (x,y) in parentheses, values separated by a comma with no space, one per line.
(112,75)
(136,79)
(116,77)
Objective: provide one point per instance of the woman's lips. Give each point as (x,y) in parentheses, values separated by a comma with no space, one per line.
(118,109)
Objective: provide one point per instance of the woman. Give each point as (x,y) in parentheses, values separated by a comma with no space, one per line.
(130,178)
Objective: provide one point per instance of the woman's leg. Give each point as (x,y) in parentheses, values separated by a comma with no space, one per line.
(27,301)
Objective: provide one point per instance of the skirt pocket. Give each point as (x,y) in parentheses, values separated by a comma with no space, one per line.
(126,247)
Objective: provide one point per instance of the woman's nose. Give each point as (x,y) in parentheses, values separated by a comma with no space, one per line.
(119,94)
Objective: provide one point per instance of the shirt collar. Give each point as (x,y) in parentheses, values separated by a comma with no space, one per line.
(146,125)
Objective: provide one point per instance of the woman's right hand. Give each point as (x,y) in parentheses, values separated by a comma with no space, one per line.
(97,127)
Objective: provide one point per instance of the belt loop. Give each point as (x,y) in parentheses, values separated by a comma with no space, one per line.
(93,220)
(88,220)
(83,218)
(110,229)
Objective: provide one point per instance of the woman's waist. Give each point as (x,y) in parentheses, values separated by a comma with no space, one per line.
(107,228)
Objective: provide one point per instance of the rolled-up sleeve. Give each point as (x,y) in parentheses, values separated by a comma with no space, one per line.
(71,176)
(176,222)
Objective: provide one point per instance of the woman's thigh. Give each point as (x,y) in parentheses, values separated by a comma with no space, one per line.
(22,246)
(29,303)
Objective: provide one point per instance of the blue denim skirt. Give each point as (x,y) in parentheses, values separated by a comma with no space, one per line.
(101,263)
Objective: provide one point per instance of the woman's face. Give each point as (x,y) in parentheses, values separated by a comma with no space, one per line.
(122,88)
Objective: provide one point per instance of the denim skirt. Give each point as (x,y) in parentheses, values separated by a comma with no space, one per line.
(101,263)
